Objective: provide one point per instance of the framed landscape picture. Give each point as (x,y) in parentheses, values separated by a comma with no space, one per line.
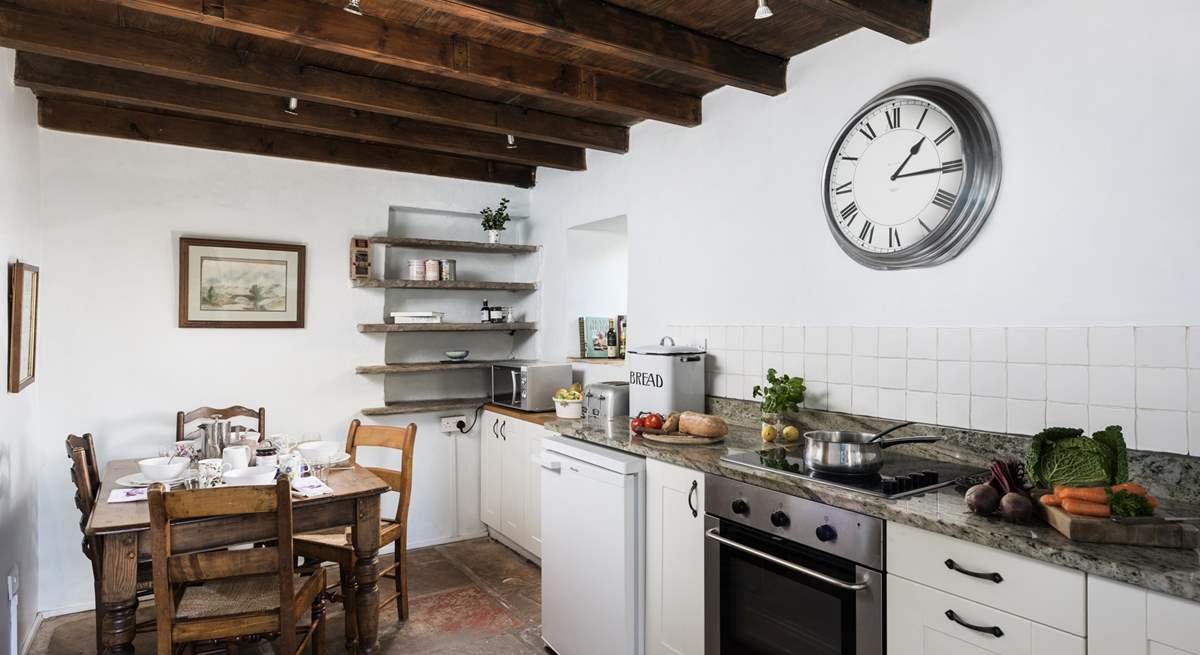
(22,325)
(240,284)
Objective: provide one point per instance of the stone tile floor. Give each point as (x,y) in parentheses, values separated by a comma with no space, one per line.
(468,598)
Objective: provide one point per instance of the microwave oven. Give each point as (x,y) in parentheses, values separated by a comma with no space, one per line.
(528,386)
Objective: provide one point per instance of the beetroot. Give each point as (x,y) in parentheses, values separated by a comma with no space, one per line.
(1016,507)
(983,499)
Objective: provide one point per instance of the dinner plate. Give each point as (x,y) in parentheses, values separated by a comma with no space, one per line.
(340,458)
(139,480)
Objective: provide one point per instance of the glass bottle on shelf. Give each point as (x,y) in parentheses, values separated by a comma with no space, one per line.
(612,339)
(485,314)
(624,327)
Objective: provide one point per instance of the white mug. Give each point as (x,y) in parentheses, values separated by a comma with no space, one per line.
(237,457)
(211,471)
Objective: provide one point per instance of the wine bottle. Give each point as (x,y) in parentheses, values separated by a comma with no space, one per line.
(485,314)
(612,339)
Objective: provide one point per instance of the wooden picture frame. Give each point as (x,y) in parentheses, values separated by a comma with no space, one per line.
(240,284)
(23,282)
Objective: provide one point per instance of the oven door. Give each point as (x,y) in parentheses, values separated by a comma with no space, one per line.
(506,386)
(768,596)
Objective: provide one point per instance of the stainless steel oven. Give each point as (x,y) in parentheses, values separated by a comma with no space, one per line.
(789,576)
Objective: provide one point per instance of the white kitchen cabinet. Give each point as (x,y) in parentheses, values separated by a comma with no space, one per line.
(674,560)
(510,479)
(1127,620)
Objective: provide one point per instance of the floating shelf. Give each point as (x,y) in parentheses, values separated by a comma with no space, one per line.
(462,285)
(416,406)
(373,328)
(596,360)
(457,246)
(423,367)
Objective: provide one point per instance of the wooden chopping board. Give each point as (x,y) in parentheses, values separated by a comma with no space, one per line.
(1107,531)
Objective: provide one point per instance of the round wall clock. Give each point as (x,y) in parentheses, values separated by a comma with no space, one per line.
(912,177)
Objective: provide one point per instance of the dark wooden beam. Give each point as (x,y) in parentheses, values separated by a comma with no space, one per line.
(904,20)
(151,127)
(61,77)
(68,38)
(330,29)
(606,28)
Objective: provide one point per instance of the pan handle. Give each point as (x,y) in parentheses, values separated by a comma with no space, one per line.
(884,443)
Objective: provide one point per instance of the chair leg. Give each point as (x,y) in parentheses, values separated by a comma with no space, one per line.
(350,606)
(99,613)
(318,622)
(401,578)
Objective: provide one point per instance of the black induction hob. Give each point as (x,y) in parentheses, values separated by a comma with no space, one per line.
(902,474)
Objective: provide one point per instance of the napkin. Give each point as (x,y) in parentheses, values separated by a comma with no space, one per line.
(310,487)
(127,495)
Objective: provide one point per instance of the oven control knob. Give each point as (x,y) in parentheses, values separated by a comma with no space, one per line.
(826,533)
(740,506)
(780,520)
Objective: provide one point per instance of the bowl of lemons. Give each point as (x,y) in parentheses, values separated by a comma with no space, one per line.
(568,402)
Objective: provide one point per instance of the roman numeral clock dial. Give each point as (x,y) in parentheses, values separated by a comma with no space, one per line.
(912,177)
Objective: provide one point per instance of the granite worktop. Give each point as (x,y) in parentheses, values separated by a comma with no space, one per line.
(1170,571)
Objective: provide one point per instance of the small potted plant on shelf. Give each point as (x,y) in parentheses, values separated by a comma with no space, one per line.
(782,394)
(495,219)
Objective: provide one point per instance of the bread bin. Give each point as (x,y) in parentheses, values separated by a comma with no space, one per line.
(604,401)
(666,378)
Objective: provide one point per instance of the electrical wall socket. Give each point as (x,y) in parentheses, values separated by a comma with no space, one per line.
(450,423)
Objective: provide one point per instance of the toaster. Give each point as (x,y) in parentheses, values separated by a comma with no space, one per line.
(605,401)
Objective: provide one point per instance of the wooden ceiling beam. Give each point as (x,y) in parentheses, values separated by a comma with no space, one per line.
(612,30)
(68,38)
(61,77)
(904,20)
(330,29)
(150,127)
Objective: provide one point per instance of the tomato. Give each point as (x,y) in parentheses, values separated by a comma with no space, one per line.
(637,424)
(654,421)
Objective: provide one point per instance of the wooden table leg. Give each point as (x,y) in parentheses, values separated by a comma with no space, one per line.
(118,592)
(366,539)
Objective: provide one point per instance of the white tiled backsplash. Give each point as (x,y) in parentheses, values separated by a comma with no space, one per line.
(1016,379)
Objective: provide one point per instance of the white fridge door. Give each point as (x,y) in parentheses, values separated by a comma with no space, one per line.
(589,604)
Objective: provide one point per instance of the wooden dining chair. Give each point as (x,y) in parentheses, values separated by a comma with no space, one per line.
(226,594)
(183,418)
(334,545)
(85,473)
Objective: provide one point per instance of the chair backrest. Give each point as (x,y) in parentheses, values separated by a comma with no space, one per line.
(183,418)
(176,566)
(86,476)
(384,436)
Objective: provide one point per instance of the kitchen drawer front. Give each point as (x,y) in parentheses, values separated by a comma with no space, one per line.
(1044,593)
(918,624)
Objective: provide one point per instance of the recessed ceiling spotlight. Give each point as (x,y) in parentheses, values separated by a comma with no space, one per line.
(512,142)
(352,7)
(763,11)
(292,107)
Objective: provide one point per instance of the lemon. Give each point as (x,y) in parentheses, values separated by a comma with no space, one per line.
(790,433)
(769,433)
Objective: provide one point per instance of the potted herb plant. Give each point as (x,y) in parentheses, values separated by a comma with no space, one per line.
(782,394)
(495,219)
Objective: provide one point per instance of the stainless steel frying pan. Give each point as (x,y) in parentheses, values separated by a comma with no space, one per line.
(850,453)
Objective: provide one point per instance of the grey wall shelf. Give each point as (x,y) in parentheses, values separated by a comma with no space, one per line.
(425,367)
(377,328)
(453,285)
(417,406)
(454,246)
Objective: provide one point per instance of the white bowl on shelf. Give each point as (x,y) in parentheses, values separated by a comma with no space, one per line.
(251,475)
(568,409)
(163,469)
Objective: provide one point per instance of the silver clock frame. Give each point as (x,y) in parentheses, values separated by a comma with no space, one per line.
(981,176)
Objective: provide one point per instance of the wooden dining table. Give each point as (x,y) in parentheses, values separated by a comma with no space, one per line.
(123,532)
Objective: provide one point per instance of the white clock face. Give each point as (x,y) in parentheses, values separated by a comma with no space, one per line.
(896,175)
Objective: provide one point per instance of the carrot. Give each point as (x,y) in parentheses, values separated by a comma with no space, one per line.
(1097,495)
(1085,508)
(1051,500)
(1153,501)
(1131,487)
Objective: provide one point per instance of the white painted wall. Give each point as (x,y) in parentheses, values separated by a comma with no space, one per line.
(115,363)
(599,280)
(1095,223)
(20,436)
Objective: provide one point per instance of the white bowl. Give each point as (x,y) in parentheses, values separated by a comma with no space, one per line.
(568,409)
(163,469)
(251,475)
(318,451)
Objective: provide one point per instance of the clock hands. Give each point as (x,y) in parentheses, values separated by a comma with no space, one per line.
(948,167)
(911,153)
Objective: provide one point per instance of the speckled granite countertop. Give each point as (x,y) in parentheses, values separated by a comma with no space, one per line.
(1171,571)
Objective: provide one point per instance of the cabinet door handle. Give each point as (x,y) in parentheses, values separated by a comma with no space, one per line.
(502,435)
(994,630)
(994,577)
(494,424)
(692,492)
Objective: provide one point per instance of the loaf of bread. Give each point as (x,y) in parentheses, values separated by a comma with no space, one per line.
(702,425)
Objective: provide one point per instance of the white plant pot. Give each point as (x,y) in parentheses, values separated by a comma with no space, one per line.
(493,236)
